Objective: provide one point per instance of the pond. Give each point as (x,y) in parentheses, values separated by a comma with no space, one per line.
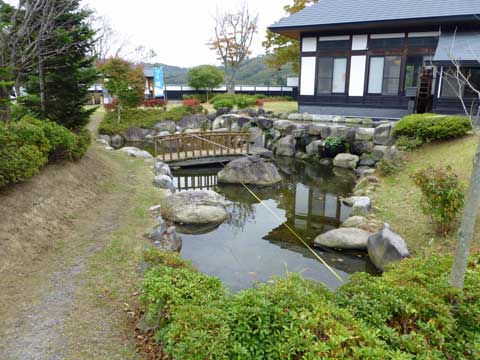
(255,245)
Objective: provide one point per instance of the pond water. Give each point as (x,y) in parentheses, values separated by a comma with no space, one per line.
(255,245)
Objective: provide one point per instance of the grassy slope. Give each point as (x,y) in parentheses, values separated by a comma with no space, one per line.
(397,199)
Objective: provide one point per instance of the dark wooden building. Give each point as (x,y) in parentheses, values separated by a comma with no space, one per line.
(384,58)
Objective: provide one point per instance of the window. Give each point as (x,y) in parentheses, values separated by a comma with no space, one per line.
(386,44)
(332,74)
(423,42)
(450,85)
(413,71)
(384,75)
(337,45)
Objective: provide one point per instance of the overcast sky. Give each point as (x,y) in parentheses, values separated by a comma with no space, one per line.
(178,30)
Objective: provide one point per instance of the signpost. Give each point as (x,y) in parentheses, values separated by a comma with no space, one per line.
(158,83)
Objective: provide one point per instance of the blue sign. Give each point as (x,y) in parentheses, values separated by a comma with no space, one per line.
(158,83)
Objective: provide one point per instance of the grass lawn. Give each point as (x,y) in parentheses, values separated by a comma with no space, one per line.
(397,199)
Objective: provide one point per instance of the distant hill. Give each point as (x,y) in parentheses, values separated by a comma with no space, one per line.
(252,72)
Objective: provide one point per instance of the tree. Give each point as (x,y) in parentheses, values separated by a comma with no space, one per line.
(205,77)
(234,31)
(281,50)
(459,80)
(125,82)
(59,90)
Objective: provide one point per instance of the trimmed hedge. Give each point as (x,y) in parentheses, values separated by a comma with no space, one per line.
(410,312)
(143,118)
(28,144)
(431,127)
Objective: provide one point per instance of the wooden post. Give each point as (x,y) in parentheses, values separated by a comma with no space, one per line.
(163,150)
(155,144)
(177,148)
(170,144)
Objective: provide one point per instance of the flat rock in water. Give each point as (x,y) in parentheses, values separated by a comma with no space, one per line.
(250,170)
(136,152)
(195,208)
(344,238)
(354,222)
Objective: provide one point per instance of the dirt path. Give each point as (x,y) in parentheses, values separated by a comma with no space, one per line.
(65,300)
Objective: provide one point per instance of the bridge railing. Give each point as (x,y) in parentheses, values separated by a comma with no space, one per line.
(201,144)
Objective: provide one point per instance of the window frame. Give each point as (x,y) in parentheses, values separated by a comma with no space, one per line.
(384,57)
(333,58)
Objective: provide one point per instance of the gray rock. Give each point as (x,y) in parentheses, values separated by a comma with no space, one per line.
(264,123)
(386,247)
(346,161)
(286,146)
(295,117)
(326,118)
(318,130)
(378,152)
(316,147)
(354,222)
(361,205)
(250,170)
(222,111)
(102,142)
(135,134)
(344,238)
(249,112)
(136,152)
(300,155)
(367,160)
(166,239)
(364,171)
(285,127)
(117,141)
(264,153)
(261,111)
(164,182)
(256,136)
(360,147)
(382,135)
(167,125)
(195,208)
(345,133)
(212,116)
(299,131)
(194,122)
(326,162)
(365,134)
(107,138)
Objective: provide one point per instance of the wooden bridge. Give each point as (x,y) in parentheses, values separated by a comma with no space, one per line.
(201,148)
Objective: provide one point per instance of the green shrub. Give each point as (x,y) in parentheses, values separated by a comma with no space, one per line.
(443,197)
(23,151)
(156,257)
(389,167)
(430,127)
(245,101)
(408,144)
(83,141)
(415,310)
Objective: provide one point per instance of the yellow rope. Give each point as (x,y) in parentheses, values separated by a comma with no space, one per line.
(278,217)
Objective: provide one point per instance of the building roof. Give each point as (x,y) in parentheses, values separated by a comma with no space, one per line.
(337,12)
(463,47)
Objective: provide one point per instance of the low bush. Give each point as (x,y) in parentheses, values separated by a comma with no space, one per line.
(200,97)
(389,167)
(411,312)
(443,197)
(245,101)
(28,144)
(242,101)
(415,310)
(431,127)
(154,103)
(142,118)
(408,144)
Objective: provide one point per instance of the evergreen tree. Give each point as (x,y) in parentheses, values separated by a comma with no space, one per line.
(58,87)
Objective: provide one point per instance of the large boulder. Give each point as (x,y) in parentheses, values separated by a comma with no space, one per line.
(344,133)
(136,152)
(194,122)
(354,222)
(249,112)
(250,170)
(318,130)
(239,121)
(344,238)
(223,110)
(160,168)
(346,161)
(195,208)
(165,126)
(256,136)
(136,134)
(286,146)
(164,182)
(102,142)
(117,141)
(386,247)
(360,147)
(379,151)
(383,134)
(107,138)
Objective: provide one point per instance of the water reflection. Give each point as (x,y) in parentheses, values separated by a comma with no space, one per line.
(254,244)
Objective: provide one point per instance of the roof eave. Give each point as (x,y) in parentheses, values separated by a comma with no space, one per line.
(294,32)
